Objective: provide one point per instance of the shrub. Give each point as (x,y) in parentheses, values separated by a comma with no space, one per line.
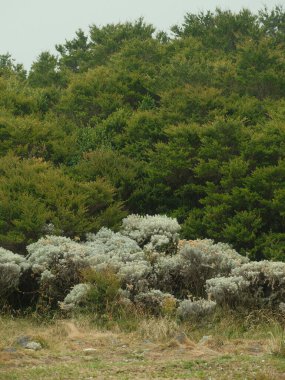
(109,249)
(203,259)
(195,309)
(168,271)
(12,267)
(156,302)
(266,281)
(103,290)
(152,232)
(253,284)
(114,266)
(227,290)
(57,262)
(99,293)
(76,297)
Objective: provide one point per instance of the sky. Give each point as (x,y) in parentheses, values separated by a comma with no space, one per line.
(29,27)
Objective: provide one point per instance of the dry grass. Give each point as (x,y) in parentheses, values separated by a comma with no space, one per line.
(158,329)
(159,349)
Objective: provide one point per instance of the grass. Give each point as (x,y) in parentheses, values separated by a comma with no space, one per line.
(158,348)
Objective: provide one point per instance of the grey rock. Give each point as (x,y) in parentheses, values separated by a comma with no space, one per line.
(23,340)
(10,349)
(181,338)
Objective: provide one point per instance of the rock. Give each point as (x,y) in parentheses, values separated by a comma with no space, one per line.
(182,338)
(10,349)
(23,340)
(26,342)
(35,346)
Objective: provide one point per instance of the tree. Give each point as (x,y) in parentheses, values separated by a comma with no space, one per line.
(45,72)
(221,29)
(75,54)
(35,196)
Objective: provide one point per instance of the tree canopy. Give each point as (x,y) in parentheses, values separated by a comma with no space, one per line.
(127,119)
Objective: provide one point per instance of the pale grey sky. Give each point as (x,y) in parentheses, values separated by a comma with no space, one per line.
(28,27)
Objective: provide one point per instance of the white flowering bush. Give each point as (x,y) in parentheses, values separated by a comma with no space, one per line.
(227,290)
(12,267)
(266,281)
(253,284)
(152,232)
(107,248)
(189,309)
(123,255)
(168,278)
(57,262)
(52,250)
(149,264)
(155,301)
(76,297)
(203,259)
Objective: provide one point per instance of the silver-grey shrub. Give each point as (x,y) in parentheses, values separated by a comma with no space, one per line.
(203,259)
(107,248)
(139,255)
(155,301)
(266,281)
(152,232)
(76,297)
(50,251)
(253,284)
(12,267)
(123,255)
(189,309)
(57,262)
(168,274)
(227,290)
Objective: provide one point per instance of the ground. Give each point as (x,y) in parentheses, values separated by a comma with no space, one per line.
(157,349)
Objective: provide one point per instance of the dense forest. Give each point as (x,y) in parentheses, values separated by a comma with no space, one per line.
(128,119)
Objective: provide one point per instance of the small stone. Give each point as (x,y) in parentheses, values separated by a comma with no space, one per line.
(35,346)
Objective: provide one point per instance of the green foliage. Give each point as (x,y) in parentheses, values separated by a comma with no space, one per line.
(31,137)
(75,54)
(119,170)
(189,125)
(92,96)
(103,293)
(34,194)
(44,72)
(9,68)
